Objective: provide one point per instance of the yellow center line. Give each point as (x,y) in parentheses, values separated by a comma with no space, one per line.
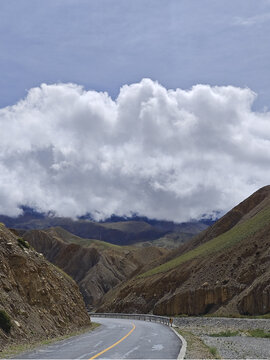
(112,346)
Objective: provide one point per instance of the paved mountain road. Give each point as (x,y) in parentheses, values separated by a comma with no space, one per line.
(115,339)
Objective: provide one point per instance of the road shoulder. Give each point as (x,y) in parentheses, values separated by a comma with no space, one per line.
(196,348)
(21,348)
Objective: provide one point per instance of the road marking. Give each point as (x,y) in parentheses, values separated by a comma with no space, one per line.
(157,347)
(130,351)
(97,344)
(113,345)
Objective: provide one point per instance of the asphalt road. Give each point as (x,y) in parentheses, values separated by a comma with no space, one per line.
(115,339)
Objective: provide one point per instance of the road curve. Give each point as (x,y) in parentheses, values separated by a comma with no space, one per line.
(115,339)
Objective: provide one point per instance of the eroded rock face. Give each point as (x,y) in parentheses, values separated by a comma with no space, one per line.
(196,302)
(257,299)
(40,300)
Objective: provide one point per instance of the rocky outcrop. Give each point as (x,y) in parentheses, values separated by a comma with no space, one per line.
(196,301)
(40,300)
(256,300)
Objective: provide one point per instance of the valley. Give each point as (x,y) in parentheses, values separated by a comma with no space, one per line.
(224,270)
(96,266)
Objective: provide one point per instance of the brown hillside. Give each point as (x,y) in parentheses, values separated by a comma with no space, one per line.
(96,266)
(226,270)
(41,300)
(241,212)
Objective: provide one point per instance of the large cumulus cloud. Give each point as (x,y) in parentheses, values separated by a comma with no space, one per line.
(170,154)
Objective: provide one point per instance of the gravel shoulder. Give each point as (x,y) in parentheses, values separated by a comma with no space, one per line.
(196,348)
(197,331)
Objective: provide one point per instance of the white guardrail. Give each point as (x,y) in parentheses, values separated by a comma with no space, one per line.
(145,317)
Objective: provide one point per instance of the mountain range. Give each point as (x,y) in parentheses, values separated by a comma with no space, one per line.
(116,230)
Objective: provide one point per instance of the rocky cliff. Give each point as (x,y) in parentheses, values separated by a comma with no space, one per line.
(224,270)
(36,298)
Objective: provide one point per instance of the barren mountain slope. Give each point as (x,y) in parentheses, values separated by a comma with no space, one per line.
(96,266)
(241,212)
(40,300)
(226,269)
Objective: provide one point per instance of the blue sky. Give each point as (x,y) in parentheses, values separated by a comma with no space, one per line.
(104,44)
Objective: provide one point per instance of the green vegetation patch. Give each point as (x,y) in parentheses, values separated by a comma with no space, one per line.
(214,352)
(5,321)
(23,243)
(102,244)
(74,239)
(259,333)
(227,333)
(225,240)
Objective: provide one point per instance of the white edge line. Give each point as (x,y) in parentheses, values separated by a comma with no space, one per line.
(183,350)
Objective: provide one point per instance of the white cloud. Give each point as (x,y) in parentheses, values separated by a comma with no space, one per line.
(252,20)
(161,153)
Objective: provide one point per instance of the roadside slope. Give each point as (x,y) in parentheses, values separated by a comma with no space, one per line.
(40,300)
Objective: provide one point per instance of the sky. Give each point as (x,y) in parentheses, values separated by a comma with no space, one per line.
(153,107)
